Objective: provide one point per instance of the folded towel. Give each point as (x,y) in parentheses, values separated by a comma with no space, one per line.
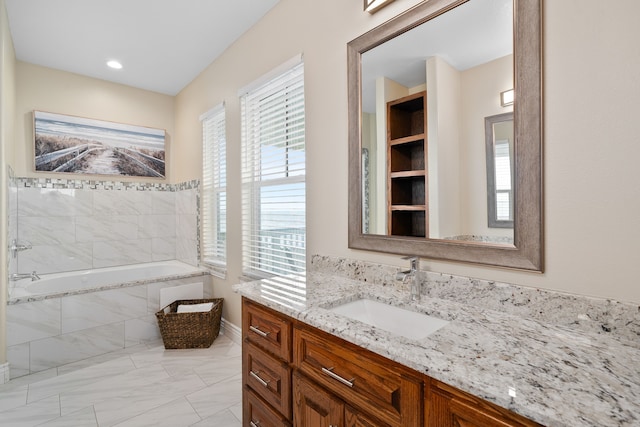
(195,308)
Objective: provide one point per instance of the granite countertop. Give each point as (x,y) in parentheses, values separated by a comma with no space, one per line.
(553,374)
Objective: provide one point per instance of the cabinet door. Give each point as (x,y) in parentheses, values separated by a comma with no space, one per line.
(464,415)
(378,387)
(266,328)
(314,407)
(450,407)
(268,377)
(257,412)
(354,418)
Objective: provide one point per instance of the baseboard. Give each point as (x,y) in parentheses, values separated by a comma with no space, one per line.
(4,373)
(231,331)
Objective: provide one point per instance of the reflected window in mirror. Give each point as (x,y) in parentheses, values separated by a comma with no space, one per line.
(499,145)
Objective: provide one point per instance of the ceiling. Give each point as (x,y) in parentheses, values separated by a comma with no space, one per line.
(162,44)
(472,34)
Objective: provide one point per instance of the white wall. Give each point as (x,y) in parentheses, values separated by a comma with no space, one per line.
(592,93)
(481,87)
(45,89)
(7,92)
(592,200)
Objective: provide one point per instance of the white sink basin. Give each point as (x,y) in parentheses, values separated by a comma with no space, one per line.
(392,319)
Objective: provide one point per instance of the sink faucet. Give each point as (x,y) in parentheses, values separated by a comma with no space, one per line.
(17,276)
(412,274)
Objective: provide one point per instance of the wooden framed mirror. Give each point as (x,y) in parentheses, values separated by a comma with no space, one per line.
(437,207)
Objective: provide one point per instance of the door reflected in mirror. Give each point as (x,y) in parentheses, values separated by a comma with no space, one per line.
(429,179)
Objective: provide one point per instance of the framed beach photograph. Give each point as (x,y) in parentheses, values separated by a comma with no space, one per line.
(78,145)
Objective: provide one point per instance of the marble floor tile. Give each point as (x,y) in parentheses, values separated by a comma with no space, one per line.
(144,385)
(222,419)
(178,413)
(109,388)
(32,414)
(83,418)
(12,397)
(78,379)
(217,397)
(142,399)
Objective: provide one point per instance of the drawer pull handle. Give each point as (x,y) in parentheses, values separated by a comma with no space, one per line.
(258,331)
(260,380)
(329,371)
(254,423)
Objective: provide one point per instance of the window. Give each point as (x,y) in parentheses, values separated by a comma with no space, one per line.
(214,189)
(273,175)
(504,200)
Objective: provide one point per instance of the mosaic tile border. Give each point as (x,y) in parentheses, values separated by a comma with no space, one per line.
(86,184)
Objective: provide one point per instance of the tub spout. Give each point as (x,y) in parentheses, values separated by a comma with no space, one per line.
(18,276)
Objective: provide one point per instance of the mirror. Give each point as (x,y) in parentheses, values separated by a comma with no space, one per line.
(420,87)
(499,155)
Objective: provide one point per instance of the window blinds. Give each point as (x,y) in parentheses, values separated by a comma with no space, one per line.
(273,176)
(214,189)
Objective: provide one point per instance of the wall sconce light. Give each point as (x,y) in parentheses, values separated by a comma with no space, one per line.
(372,6)
(507,97)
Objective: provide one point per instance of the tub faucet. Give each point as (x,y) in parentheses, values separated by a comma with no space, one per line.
(412,274)
(15,247)
(17,276)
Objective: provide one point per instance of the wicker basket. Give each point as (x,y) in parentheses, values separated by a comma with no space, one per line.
(189,330)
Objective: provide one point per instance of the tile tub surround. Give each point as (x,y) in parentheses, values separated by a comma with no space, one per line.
(83,224)
(46,332)
(551,373)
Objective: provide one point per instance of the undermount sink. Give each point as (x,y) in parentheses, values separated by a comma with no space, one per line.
(396,320)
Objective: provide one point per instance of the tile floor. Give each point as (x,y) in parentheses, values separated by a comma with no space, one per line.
(144,385)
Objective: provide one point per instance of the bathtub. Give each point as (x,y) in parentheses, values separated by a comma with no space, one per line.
(83,281)
(68,317)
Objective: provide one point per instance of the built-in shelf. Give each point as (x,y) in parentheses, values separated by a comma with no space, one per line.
(406,166)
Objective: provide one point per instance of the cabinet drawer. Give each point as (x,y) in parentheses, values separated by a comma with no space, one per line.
(267,329)
(268,377)
(368,382)
(257,412)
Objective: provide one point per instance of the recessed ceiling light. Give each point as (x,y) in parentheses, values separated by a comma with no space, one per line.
(114,64)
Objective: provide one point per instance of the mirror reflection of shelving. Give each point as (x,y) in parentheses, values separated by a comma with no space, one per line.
(406,168)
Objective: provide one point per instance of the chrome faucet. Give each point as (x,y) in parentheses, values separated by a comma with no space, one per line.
(17,276)
(15,247)
(412,274)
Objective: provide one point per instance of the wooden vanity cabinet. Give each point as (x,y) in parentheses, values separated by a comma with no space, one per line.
(315,407)
(378,387)
(297,375)
(266,370)
(447,406)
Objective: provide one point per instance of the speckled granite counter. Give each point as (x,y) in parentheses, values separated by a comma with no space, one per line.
(554,373)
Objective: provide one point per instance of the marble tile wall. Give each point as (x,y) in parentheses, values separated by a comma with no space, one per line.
(12,222)
(53,332)
(77,225)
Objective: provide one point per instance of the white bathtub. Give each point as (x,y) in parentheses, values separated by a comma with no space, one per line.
(51,285)
(66,317)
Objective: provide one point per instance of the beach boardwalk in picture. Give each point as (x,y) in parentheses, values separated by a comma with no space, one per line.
(88,146)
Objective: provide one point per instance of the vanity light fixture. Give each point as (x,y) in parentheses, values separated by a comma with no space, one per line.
(116,65)
(507,97)
(372,6)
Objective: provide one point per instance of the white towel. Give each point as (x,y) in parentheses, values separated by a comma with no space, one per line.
(195,308)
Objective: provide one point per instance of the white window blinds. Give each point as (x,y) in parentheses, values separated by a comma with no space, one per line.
(273,176)
(214,189)
(504,199)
